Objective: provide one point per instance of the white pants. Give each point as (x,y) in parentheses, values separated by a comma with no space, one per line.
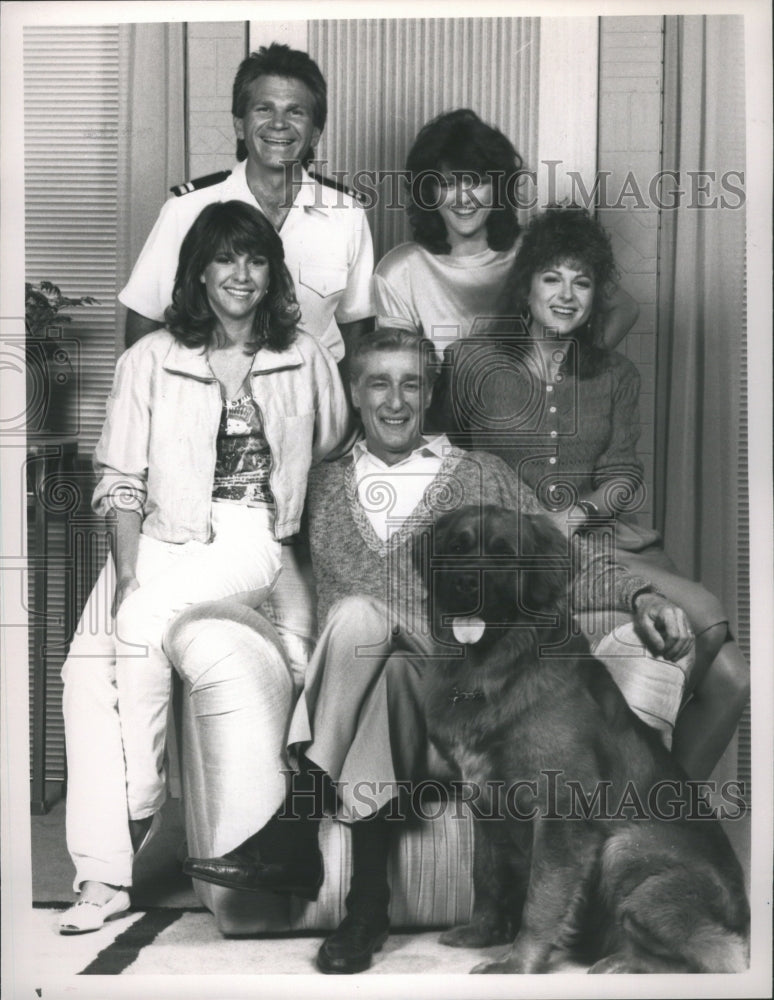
(117,680)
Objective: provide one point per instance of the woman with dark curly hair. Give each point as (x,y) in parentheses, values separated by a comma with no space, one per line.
(562,409)
(212,426)
(463,178)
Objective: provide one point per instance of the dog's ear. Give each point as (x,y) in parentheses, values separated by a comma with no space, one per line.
(439,538)
(537,533)
(547,585)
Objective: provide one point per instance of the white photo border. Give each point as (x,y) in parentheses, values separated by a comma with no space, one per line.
(21,977)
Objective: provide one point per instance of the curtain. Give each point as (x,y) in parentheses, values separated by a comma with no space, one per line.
(701,324)
(386,78)
(152,142)
(701,421)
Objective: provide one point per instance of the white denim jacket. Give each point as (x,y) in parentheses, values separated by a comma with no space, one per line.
(157,450)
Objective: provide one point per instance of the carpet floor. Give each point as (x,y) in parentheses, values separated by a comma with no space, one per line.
(169,932)
(180,942)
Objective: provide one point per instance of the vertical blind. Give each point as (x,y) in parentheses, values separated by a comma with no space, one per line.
(71,163)
(386,78)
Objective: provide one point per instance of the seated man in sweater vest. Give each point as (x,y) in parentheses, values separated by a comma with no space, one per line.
(358,732)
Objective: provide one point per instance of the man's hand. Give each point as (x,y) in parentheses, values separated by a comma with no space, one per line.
(123,589)
(663,626)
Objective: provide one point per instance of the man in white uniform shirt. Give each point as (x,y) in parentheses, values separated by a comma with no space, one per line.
(279,106)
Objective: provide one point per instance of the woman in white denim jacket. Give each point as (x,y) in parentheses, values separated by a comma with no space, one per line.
(212,425)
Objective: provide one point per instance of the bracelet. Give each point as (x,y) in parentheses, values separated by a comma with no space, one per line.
(651,591)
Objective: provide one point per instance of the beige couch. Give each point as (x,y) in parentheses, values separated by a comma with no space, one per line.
(238,690)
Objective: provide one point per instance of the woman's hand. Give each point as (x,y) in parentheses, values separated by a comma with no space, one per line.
(663,626)
(124,587)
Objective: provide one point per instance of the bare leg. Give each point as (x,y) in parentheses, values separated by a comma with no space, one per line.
(720,680)
(707,723)
(98,892)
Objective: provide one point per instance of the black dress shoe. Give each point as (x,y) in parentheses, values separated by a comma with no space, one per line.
(350,948)
(237,870)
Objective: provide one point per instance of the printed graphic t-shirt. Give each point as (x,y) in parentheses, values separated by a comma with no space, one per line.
(243,462)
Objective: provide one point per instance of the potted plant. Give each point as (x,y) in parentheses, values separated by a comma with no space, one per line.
(51,374)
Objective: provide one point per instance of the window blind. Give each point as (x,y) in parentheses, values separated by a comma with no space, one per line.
(71,169)
(71,172)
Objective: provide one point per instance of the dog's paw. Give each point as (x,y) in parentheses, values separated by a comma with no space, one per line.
(475,935)
(526,956)
(506,966)
(484,968)
(619,962)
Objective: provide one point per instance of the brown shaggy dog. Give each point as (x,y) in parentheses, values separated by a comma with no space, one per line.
(598,849)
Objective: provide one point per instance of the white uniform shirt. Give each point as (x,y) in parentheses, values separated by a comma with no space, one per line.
(390,493)
(328,251)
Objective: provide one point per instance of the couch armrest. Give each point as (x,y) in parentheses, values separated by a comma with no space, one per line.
(654,688)
(236,703)
(237,698)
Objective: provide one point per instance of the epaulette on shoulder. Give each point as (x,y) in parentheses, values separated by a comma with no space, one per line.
(331,182)
(200,182)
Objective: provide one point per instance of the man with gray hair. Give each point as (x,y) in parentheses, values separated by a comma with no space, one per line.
(359,724)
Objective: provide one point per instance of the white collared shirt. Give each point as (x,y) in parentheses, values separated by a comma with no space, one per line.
(328,251)
(390,493)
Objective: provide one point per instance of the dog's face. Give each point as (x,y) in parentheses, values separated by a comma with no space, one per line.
(494,567)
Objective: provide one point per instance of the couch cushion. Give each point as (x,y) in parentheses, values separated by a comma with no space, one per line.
(430,872)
